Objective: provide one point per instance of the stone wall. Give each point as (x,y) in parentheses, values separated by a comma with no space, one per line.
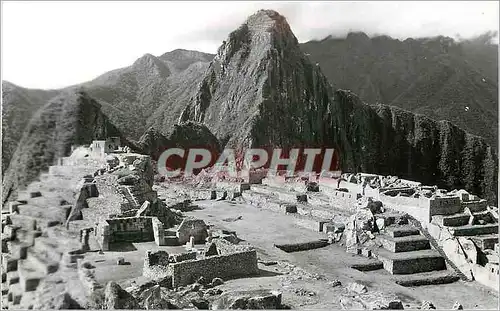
(130,229)
(462,252)
(156,265)
(222,266)
(192,227)
(444,206)
(419,208)
(103,235)
(182,257)
(475,205)
(341,199)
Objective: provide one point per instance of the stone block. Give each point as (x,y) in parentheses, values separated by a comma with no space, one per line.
(366,252)
(302,198)
(12,277)
(13,207)
(9,263)
(380,223)
(357,288)
(9,232)
(322,225)
(291,208)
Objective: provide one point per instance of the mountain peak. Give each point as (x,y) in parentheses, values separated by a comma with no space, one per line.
(150,63)
(358,37)
(267,20)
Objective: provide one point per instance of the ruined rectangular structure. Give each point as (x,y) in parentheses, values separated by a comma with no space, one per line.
(221,266)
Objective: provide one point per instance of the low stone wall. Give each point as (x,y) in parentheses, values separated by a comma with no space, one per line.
(232,186)
(222,266)
(475,205)
(182,257)
(344,200)
(444,206)
(304,246)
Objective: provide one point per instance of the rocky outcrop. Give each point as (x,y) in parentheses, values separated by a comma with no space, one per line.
(72,118)
(118,298)
(256,299)
(184,135)
(261,90)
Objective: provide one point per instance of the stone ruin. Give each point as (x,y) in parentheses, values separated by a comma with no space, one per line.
(218,259)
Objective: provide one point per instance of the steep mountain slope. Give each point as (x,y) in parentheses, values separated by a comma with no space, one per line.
(18,106)
(262,90)
(71,118)
(151,88)
(130,96)
(437,77)
(184,135)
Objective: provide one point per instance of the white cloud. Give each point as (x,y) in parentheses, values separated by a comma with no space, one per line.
(56,44)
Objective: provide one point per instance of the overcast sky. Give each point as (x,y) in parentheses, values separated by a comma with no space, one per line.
(55,44)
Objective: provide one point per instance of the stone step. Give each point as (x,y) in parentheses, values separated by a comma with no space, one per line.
(477,206)
(12,277)
(42,263)
(9,263)
(485,217)
(410,262)
(393,218)
(23,221)
(471,230)
(5,299)
(426,278)
(28,236)
(29,275)
(400,231)
(171,241)
(451,220)
(28,300)
(170,233)
(18,249)
(15,294)
(485,241)
(47,217)
(49,246)
(10,232)
(368,266)
(405,243)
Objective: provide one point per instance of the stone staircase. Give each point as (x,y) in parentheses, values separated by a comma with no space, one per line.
(405,251)
(408,255)
(27,258)
(401,249)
